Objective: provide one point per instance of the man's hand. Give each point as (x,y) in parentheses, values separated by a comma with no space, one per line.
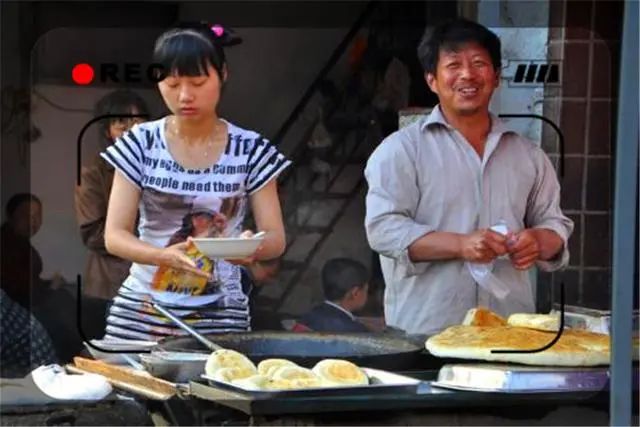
(524,249)
(482,246)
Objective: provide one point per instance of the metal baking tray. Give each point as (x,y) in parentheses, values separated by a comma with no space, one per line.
(174,366)
(591,319)
(379,382)
(506,378)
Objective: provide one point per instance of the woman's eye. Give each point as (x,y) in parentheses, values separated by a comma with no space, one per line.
(199,83)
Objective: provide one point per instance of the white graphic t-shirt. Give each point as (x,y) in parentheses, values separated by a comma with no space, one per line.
(177,203)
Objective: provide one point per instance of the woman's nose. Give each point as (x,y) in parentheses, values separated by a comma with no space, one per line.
(185,94)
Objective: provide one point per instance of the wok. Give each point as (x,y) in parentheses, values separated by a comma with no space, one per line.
(370,350)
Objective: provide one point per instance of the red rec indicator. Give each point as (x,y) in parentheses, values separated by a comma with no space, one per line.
(82,74)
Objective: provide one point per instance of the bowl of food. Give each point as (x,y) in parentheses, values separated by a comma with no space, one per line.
(229,247)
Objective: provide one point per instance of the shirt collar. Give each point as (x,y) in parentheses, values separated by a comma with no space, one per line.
(339,307)
(436,117)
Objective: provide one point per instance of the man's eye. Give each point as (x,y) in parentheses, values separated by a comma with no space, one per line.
(453,65)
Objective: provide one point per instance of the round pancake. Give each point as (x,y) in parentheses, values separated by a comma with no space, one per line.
(254,382)
(337,372)
(226,358)
(229,375)
(268,366)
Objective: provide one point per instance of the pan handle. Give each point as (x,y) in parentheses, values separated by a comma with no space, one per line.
(210,345)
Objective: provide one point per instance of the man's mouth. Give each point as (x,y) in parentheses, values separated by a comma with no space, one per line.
(468,91)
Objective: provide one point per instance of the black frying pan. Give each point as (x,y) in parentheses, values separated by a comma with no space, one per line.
(306,349)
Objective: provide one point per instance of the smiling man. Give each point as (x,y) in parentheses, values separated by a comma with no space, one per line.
(438,185)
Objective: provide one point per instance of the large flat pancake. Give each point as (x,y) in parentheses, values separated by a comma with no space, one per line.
(575,348)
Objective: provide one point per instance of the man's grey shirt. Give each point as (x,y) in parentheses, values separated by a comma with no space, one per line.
(426,177)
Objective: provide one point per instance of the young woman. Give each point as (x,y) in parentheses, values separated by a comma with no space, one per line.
(172,167)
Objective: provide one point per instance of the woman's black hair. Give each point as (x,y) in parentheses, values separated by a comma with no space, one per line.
(121,101)
(189,49)
(17,199)
(450,35)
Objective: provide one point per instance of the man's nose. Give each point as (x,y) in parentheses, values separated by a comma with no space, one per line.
(466,71)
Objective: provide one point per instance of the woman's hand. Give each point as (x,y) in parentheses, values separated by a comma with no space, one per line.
(251,259)
(174,256)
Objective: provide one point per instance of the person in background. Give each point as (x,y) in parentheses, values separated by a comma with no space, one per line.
(24,343)
(345,283)
(438,185)
(47,299)
(21,262)
(104,272)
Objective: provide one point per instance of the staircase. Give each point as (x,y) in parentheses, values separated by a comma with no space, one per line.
(315,194)
(313,205)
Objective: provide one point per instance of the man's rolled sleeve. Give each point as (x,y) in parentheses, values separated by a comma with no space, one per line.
(391,204)
(544,212)
(561,259)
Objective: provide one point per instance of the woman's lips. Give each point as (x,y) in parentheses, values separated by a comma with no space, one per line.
(188,111)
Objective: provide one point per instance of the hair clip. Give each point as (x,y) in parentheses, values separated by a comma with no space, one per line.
(217,30)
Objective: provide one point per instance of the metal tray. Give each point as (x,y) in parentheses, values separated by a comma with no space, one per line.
(177,367)
(379,382)
(521,379)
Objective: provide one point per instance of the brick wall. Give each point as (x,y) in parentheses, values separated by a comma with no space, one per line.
(585,37)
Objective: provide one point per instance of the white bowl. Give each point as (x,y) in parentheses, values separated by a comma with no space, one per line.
(228,247)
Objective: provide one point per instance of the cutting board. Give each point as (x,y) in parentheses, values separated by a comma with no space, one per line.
(125,378)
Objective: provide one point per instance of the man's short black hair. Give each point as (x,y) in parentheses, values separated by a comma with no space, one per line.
(340,275)
(450,36)
(17,199)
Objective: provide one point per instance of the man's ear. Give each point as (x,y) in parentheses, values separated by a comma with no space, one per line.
(431,81)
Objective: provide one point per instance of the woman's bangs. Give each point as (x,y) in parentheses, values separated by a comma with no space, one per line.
(184,56)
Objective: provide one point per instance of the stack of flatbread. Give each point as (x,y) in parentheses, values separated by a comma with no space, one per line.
(483,331)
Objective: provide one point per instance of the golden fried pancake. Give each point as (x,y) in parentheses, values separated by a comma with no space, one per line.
(229,375)
(293,377)
(228,359)
(575,348)
(254,382)
(268,366)
(481,316)
(541,322)
(336,372)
